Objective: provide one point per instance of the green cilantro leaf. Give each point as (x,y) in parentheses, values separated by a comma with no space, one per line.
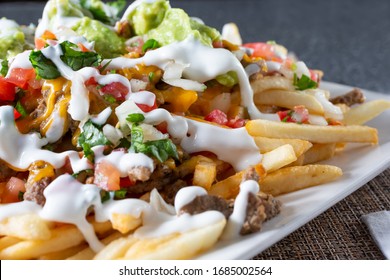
(161,149)
(98,10)
(19,107)
(304,82)
(150,44)
(78,59)
(44,67)
(91,136)
(4,68)
(120,194)
(135,118)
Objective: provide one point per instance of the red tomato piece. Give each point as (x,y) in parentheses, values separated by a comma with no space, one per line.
(126,182)
(12,189)
(263,50)
(7,90)
(107,176)
(146,108)
(116,89)
(21,77)
(217,116)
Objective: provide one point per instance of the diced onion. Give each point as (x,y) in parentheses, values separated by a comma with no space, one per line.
(186,84)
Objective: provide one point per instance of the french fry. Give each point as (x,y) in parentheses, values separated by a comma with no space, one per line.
(295,178)
(191,243)
(28,227)
(125,223)
(363,113)
(230,187)
(7,241)
(278,158)
(266,144)
(64,254)
(312,133)
(271,82)
(289,99)
(319,152)
(88,254)
(205,174)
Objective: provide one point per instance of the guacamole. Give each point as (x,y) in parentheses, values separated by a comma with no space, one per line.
(107,42)
(11,38)
(166,25)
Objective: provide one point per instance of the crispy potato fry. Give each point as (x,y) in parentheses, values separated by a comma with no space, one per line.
(271,82)
(289,99)
(125,223)
(363,113)
(278,158)
(28,227)
(205,174)
(88,254)
(268,144)
(62,237)
(319,152)
(188,166)
(64,254)
(230,187)
(312,133)
(295,178)
(191,243)
(8,241)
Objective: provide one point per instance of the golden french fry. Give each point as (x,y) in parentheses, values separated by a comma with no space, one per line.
(295,178)
(266,144)
(8,241)
(188,166)
(271,82)
(298,162)
(191,243)
(289,99)
(313,133)
(205,174)
(278,158)
(125,223)
(64,254)
(363,113)
(319,152)
(230,187)
(28,227)
(88,254)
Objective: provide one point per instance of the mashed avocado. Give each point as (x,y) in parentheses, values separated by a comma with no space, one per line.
(107,42)
(166,25)
(11,38)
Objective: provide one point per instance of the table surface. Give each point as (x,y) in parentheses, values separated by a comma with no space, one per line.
(349,41)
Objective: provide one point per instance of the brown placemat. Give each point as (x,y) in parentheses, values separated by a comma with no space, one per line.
(338,233)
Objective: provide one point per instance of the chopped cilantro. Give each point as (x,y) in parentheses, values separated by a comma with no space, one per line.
(21,196)
(91,136)
(104,196)
(120,194)
(109,98)
(4,68)
(150,44)
(98,11)
(304,82)
(46,69)
(151,76)
(160,149)
(19,107)
(135,118)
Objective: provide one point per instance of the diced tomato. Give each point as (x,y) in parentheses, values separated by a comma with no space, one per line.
(263,50)
(218,44)
(12,190)
(91,82)
(314,76)
(217,116)
(83,48)
(126,182)
(107,176)
(21,77)
(162,127)
(7,90)
(236,123)
(136,47)
(298,115)
(17,115)
(116,89)
(146,108)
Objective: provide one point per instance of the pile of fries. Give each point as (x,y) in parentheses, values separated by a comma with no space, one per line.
(291,149)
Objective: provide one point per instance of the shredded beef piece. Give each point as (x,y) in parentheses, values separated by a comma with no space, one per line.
(250,174)
(205,203)
(162,176)
(34,191)
(261,207)
(169,191)
(352,97)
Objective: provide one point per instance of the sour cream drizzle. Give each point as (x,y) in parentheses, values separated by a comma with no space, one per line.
(204,63)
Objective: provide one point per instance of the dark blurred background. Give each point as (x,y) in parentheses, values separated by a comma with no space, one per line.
(349,40)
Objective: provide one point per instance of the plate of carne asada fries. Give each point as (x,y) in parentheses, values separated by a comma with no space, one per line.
(155,136)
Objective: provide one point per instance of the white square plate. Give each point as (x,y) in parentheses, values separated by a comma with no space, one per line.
(360,163)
